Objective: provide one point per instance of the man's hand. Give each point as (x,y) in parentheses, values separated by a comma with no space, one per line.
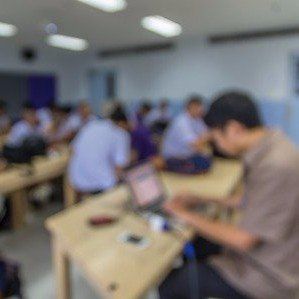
(224,234)
(187,199)
(176,208)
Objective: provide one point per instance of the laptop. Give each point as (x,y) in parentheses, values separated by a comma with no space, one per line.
(146,188)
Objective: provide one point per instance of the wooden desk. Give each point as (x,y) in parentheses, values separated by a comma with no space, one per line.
(15,180)
(117,270)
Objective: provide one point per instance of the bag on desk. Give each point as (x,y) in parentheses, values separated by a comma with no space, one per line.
(30,147)
(10,283)
(194,165)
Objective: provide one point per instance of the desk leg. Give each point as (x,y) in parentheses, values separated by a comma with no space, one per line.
(18,209)
(62,271)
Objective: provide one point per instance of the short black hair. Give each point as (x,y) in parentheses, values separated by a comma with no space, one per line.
(118,115)
(28,106)
(234,105)
(65,109)
(146,106)
(194,99)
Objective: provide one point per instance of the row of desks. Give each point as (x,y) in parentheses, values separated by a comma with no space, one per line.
(16,180)
(118,270)
(113,268)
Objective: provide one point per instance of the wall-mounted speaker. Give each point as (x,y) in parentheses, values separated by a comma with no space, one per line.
(28,54)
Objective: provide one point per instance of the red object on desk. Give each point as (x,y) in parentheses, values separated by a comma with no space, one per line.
(101,220)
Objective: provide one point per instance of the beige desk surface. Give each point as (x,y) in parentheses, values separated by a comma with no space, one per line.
(219,182)
(106,261)
(45,168)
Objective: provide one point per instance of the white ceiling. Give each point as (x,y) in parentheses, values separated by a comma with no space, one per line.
(102,30)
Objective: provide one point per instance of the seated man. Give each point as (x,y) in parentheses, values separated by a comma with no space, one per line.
(81,117)
(100,151)
(260,257)
(186,138)
(45,117)
(26,127)
(61,131)
(4,119)
(159,118)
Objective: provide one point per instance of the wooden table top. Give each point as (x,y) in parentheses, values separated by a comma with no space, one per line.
(44,168)
(120,270)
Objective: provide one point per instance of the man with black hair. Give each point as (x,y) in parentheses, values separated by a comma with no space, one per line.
(260,257)
(185,140)
(61,129)
(4,119)
(28,126)
(187,133)
(158,119)
(160,114)
(100,151)
(80,117)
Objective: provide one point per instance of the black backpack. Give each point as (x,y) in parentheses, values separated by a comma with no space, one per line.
(31,146)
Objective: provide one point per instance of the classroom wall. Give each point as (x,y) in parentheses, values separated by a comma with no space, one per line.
(260,66)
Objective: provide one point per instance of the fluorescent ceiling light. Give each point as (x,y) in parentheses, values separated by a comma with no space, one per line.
(7,29)
(107,5)
(161,26)
(67,42)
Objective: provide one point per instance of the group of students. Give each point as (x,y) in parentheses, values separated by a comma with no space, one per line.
(120,140)
(257,257)
(57,124)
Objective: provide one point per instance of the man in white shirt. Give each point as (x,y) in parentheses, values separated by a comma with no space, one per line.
(77,120)
(187,134)
(160,114)
(45,117)
(100,151)
(26,127)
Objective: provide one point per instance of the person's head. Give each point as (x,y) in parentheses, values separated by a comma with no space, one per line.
(163,105)
(61,113)
(29,114)
(232,118)
(195,107)
(84,110)
(119,117)
(109,106)
(144,109)
(53,106)
(2,108)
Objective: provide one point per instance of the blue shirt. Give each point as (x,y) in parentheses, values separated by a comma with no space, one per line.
(179,137)
(45,117)
(98,149)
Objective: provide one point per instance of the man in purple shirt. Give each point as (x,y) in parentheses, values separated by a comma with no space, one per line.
(142,141)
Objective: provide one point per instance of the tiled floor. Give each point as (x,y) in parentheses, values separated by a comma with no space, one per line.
(31,247)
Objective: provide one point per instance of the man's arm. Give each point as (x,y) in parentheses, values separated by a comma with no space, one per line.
(190,200)
(221,233)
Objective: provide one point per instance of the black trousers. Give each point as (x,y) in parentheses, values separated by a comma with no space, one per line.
(209,283)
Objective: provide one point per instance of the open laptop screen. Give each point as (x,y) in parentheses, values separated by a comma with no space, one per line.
(145,186)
